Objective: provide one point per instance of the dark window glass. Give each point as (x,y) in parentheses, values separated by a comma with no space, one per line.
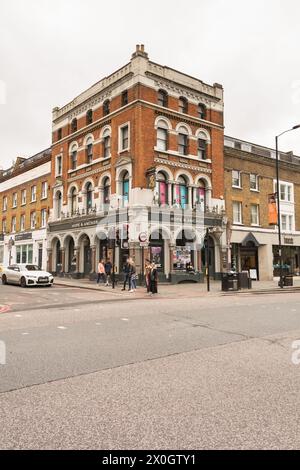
(106,107)
(74,125)
(124,98)
(89,153)
(202,149)
(89,116)
(183,144)
(59,134)
(183,105)
(201,111)
(162,98)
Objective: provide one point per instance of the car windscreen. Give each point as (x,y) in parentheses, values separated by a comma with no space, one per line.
(31,267)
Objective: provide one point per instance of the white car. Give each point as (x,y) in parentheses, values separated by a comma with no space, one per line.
(26,275)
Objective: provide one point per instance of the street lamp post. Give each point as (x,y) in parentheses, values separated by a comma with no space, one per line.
(278,204)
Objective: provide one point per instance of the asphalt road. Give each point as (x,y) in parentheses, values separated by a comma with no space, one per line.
(84,371)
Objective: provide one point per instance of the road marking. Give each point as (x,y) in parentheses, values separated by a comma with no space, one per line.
(62,328)
(4,308)
(18,316)
(124,319)
(98,324)
(24,334)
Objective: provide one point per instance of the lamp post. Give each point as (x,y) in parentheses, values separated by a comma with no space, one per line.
(208,232)
(278,204)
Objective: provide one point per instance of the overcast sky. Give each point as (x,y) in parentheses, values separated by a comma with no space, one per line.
(51,50)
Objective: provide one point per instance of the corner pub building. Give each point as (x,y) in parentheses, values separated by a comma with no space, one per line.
(134,151)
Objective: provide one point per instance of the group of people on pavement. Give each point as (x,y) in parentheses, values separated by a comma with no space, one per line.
(104,272)
(105,269)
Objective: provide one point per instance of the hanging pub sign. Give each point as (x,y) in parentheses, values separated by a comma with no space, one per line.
(273,214)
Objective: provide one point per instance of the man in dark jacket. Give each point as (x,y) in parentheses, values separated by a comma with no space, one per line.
(108,270)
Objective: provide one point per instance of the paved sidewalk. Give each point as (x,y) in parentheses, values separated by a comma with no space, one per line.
(177,291)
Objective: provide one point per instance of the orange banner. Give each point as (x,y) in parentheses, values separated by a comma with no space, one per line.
(273,214)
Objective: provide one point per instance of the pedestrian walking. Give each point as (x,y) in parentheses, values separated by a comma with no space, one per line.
(101,272)
(108,271)
(153,279)
(147,272)
(126,271)
(132,275)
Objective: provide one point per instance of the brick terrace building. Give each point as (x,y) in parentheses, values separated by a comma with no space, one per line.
(250,177)
(25,202)
(136,148)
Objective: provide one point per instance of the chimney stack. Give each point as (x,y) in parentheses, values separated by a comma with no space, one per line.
(140,51)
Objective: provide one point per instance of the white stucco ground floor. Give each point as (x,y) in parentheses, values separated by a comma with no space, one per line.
(24,247)
(257,251)
(173,240)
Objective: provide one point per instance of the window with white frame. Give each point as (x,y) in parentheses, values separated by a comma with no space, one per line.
(287,222)
(183,140)
(162,136)
(4,226)
(4,203)
(283,222)
(254,182)
(33,193)
(237,212)
(202,149)
(254,214)
(58,166)
(236,179)
(44,189)
(23,197)
(106,143)
(43,218)
(89,150)
(14,199)
(124,138)
(73,158)
(13,224)
(286,192)
(22,222)
(32,220)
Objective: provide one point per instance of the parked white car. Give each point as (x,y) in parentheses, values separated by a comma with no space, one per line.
(26,275)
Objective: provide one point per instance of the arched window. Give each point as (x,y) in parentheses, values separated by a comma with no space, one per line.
(106,191)
(89,150)
(183,105)
(73,157)
(106,108)
(106,143)
(181,192)
(125,188)
(183,140)
(162,188)
(74,125)
(162,98)
(201,111)
(162,136)
(58,198)
(201,194)
(89,117)
(73,201)
(89,197)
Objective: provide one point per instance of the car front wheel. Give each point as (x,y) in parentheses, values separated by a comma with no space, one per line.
(4,280)
(23,282)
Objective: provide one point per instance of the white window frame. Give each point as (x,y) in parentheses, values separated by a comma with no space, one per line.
(14,224)
(33,219)
(33,193)
(239,186)
(57,158)
(22,222)
(14,200)
(256,223)
(235,221)
(4,204)
(126,124)
(23,199)
(43,218)
(44,193)
(256,182)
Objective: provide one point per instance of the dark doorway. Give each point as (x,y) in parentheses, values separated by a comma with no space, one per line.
(71,256)
(58,260)
(40,256)
(249,257)
(87,256)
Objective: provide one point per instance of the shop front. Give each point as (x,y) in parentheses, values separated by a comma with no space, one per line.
(290,260)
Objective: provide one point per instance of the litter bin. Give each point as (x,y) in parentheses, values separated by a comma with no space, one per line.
(244,280)
(288,280)
(229,282)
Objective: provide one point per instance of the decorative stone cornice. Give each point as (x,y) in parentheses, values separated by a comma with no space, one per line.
(183,165)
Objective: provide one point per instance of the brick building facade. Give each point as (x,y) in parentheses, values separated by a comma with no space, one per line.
(250,177)
(25,203)
(142,148)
